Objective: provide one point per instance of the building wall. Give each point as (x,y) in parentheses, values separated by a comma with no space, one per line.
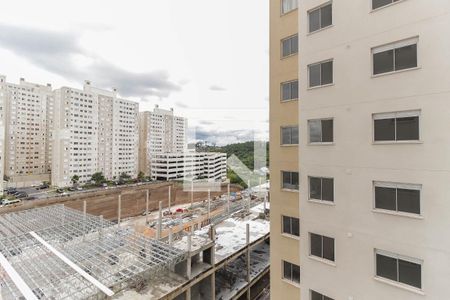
(282,158)
(355,161)
(75,140)
(26,152)
(3,94)
(160,132)
(144,131)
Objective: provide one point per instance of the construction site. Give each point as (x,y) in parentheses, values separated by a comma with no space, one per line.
(213,248)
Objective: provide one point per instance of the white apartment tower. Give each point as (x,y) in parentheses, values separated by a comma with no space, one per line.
(160,132)
(27,108)
(118,136)
(94,131)
(75,136)
(374,149)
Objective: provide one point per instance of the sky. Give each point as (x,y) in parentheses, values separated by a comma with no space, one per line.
(207,59)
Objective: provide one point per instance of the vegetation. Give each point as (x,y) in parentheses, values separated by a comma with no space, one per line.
(141,176)
(243,151)
(98,178)
(75,179)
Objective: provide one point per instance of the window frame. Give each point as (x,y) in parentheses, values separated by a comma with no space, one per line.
(321,131)
(394,2)
(328,202)
(290,82)
(290,234)
(290,280)
(281,135)
(397,185)
(320,63)
(281,46)
(398,257)
(324,297)
(395,46)
(287,12)
(320,17)
(321,258)
(282,181)
(397,115)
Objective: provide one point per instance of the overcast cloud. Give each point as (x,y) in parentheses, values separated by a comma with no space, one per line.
(165,52)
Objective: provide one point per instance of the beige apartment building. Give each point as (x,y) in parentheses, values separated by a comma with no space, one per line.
(374,150)
(26,107)
(284,170)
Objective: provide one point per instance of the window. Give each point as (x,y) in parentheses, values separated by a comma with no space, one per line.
(321,189)
(322,246)
(397,197)
(289,46)
(288,5)
(289,90)
(395,57)
(291,226)
(320,131)
(320,73)
(400,269)
(400,126)
(317,296)
(290,180)
(380,3)
(320,17)
(291,272)
(289,135)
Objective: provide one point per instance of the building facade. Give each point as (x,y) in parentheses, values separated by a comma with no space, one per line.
(374,149)
(160,132)
(118,137)
(197,165)
(75,136)
(94,131)
(284,174)
(26,107)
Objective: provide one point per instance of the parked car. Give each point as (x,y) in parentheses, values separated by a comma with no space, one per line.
(72,189)
(79,188)
(104,184)
(21,195)
(7,202)
(30,198)
(11,190)
(60,191)
(43,187)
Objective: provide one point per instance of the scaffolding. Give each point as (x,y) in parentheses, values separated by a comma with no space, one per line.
(56,252)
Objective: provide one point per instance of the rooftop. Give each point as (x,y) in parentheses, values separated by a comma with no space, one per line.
(59,253)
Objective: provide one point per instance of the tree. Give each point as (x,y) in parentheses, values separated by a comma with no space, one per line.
(141,176)
(98,178)
(124,177)
(75,179)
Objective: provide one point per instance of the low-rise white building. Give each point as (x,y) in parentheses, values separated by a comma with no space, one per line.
(196,165)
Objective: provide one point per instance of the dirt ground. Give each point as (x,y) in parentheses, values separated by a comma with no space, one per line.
(105,202)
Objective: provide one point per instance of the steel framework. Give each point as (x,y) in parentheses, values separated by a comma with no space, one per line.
(59,253)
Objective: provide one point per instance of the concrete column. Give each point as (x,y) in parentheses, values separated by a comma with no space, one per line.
(213,286)
(265,202)
(189,259)
(213,248)
(84,220)
(188,294)
(146,206)
(159,228)
(192,193)
(119,210)
(100,231)
(209,204)
(170,236)
(170,196)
